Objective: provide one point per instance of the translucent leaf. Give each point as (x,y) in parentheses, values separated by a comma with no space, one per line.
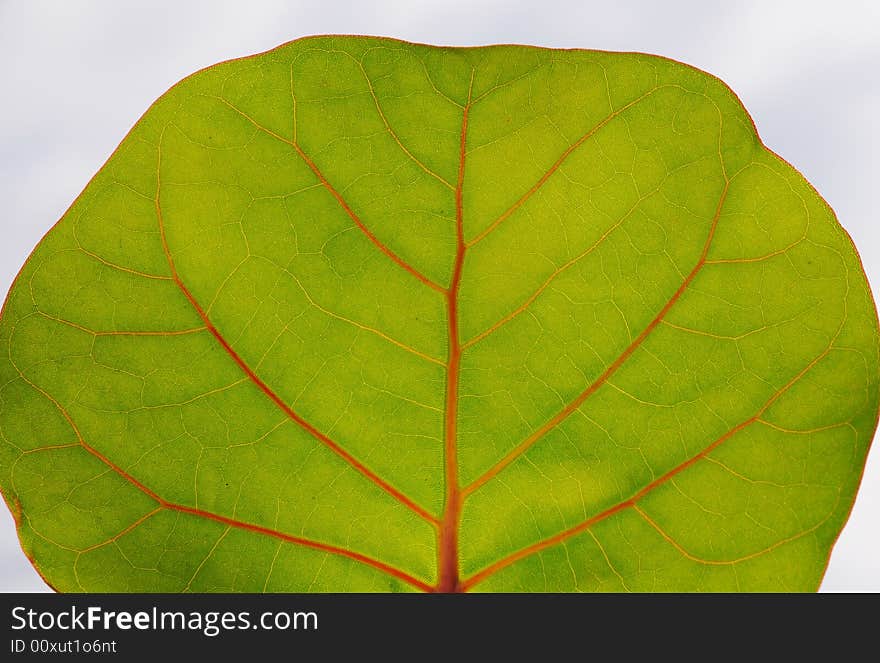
(363,315)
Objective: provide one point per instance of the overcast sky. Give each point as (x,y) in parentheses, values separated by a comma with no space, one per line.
(75,75)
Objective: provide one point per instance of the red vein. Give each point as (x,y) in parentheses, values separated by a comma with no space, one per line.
(238,524)
(391,131)
(354,217)
(308,543)
(724,562)
(342,318)
(314,432)
(559,270)
(112,265)
(125,531)
(569,409)
(546,176)
(634,499)
(342,202)
(447,548)
(176,332)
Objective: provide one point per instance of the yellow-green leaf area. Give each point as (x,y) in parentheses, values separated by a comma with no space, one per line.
(357,314)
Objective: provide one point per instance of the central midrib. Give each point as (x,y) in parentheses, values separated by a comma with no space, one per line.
(448,524)
(447,545)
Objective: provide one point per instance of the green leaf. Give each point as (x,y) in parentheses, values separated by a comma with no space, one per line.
(357,314)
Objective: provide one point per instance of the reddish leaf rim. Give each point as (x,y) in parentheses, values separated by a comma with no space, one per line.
(448,578)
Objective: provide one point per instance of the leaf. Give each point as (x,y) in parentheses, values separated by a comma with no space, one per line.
(357,314)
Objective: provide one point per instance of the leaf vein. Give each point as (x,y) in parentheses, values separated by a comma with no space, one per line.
(268,391)
(640,494)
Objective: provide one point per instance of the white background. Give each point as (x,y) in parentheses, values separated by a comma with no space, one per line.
(75,75)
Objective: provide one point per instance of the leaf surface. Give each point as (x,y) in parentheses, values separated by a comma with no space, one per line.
(363,315)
